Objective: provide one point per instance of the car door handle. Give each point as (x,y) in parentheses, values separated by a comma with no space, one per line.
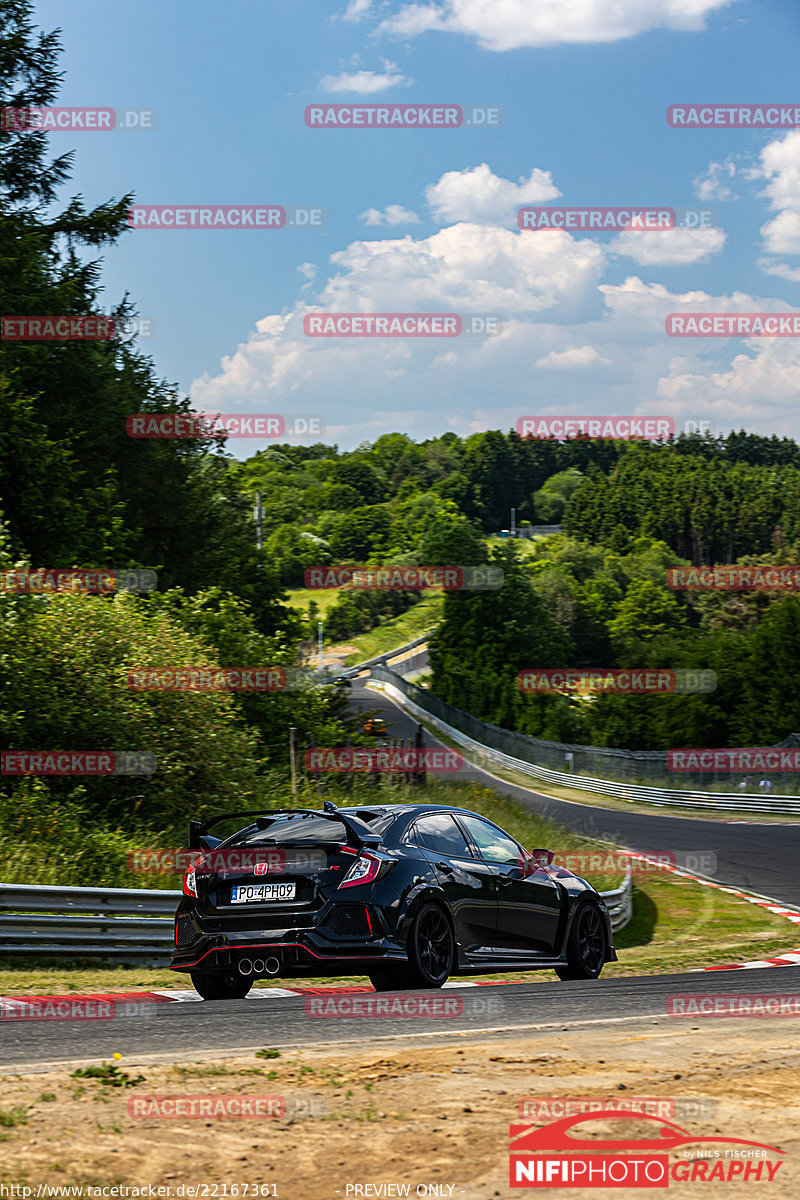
(443,866)
(505,880)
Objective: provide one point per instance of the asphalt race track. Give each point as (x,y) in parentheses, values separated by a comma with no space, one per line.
(763,858)
(224,1027)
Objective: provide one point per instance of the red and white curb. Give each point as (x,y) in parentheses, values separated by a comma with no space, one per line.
(175,995)
(790,959)
(268,992)
(11,1005)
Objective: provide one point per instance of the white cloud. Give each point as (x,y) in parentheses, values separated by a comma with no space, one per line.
(758,389)
(477,194)
(645,305)
(780,164)
(357,10)
(464,269)
(780,167)
(365,83)
(713,185)
(576,358)
(782,270)
(668,247)
(782,234)
(393,214)
(464,266)
(564,332)
(512,24)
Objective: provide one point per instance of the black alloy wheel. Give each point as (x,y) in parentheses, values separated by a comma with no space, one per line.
(586,948)
(431,954)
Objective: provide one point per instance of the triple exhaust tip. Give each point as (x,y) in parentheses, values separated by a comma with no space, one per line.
(259,966)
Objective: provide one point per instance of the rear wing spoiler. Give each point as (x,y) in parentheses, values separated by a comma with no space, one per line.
(357,830)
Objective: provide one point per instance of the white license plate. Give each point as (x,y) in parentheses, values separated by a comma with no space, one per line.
(253,893)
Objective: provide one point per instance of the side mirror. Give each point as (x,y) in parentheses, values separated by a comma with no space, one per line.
(531,861)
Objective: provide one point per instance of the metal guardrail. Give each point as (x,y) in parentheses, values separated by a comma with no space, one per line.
(619,903)
(485,756)
(529,531)
(384,657)
(128,924)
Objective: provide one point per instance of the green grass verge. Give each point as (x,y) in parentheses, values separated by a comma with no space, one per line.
(324,598)
(409,625)
(677,925)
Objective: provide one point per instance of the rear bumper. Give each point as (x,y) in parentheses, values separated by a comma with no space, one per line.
(299,950)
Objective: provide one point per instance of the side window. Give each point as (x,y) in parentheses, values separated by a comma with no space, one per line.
(438,832)
(494,845)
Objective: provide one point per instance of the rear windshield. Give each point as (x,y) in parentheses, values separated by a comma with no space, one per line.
(314,830)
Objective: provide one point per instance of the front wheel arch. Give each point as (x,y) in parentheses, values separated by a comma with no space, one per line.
(419,971)
(582,959)
(417,897)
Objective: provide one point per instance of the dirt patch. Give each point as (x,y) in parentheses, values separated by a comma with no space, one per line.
(424,1115)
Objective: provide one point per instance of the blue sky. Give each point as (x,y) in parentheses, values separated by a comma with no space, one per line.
(425,220)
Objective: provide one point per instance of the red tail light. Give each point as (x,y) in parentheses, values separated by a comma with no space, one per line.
(190,878)
(364,870)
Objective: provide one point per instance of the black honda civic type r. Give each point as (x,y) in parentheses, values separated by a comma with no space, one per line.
(406,894)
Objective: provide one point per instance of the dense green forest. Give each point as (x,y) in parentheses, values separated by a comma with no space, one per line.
(77,491)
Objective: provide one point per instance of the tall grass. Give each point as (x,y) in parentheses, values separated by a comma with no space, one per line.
(49,841)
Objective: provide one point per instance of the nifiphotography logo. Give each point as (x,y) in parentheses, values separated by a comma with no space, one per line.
(562,1154)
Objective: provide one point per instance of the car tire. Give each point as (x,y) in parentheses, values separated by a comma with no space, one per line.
(387,981)
(431,949)
(586,945)
(220,987)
